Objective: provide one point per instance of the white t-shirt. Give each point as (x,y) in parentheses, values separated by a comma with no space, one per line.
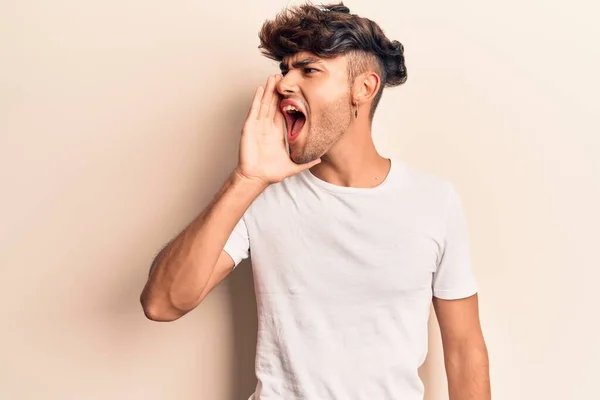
(344,279)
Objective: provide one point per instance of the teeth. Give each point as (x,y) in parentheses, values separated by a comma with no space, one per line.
(290,108)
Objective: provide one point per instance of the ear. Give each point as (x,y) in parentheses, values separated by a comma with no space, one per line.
(365,88)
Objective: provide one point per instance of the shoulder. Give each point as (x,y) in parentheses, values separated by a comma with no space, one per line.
(425,186)
(432,199)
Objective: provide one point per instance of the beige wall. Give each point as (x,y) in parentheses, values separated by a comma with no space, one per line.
(120,119)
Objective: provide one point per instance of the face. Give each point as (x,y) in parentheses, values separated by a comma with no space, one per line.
(316,103)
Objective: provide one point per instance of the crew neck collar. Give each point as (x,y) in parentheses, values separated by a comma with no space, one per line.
(357,190)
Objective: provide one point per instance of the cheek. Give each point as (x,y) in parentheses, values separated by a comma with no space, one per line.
(325,92)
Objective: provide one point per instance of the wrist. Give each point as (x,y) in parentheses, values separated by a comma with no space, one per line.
(247,184)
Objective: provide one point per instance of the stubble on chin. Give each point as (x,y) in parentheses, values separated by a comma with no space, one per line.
(301,155)
(326,130)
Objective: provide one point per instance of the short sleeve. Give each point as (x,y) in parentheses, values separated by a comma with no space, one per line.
(454,277)
(238,243)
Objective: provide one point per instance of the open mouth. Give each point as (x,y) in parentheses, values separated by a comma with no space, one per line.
(294,119)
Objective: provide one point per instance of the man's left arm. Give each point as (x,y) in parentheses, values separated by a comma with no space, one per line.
(465,351)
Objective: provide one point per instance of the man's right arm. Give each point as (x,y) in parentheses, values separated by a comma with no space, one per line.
(189,267)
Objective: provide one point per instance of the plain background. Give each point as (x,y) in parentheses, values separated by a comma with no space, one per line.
(120,120)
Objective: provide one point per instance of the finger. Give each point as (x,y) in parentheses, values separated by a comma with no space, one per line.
(265,103)
(275,101)
(302,167)
(255,106)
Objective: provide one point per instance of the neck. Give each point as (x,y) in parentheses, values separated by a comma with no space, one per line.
(353,161)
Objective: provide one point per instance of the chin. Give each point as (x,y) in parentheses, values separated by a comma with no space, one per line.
(300,155)
(297,157)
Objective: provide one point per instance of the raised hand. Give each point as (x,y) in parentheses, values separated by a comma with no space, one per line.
(263,155)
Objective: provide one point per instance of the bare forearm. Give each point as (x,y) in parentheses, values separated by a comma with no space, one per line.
(468,374)
(182,269)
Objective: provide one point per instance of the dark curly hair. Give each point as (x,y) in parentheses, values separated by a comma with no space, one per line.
(329,31)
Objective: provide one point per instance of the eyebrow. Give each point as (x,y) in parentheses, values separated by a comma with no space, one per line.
(299,64)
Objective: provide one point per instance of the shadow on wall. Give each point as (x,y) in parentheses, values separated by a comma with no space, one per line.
(245,326)
(194,162)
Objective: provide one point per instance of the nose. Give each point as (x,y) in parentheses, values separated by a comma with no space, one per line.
(287,85)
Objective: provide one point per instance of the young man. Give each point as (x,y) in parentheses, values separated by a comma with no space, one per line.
(349,249)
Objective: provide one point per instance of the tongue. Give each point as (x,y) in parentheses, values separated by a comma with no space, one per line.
(297,127)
